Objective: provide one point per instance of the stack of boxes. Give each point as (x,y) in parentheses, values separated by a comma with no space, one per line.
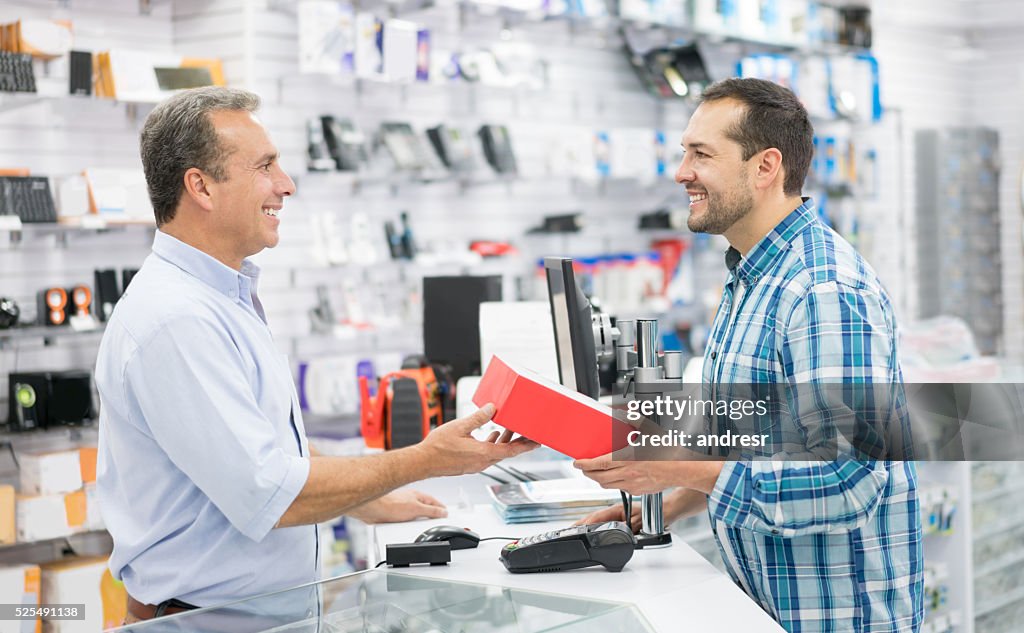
(57,499)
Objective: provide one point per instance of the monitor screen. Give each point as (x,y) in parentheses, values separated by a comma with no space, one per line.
(571,317)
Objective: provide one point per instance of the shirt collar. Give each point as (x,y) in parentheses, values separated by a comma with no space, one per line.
(759,260)
(207,269)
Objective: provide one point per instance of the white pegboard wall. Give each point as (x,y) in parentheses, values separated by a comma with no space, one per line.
(996,91)
(592,87)
(920,89)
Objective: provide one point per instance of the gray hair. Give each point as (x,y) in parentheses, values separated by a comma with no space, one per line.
(178,135)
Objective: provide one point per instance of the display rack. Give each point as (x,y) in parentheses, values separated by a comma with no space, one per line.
(19,336)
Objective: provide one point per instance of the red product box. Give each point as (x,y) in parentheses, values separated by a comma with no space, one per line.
(548,413)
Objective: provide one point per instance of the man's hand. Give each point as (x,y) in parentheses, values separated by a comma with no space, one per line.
(641,478)
(614,513)
(452,450)
(398,506)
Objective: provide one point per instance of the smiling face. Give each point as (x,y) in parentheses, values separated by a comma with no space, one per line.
(717,179)
(246,203)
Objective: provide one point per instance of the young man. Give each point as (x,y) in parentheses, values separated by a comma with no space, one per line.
(206,481)
(824,545)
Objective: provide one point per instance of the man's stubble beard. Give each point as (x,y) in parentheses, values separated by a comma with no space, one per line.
(722,212)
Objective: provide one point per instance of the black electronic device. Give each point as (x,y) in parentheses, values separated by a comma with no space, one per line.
(345,143)
(27,197)
(70,398)
(407,240)
(573,322)
(498,148)
(182,78)
(318,156)
(106,292)
(662,219)
(561,223)
(9,313)
(394,240)
(401,244)
(670,72)
(460,538)
(451,320)
(404,146)
(127,274)
(16,73)
(855,26)
(430,552)
(688,62)
(453,147)
(28,399)
(80,73)
(608,544)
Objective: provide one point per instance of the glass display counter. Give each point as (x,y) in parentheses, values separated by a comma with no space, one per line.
(380,601)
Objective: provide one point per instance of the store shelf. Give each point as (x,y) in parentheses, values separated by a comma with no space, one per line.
(47,335)
(16,100)
(12,547)
(997,528)
(66,228)
(45,439)
(998,491)
(1003,600)
(1000,564)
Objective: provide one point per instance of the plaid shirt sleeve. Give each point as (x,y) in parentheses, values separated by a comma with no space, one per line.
(834,334)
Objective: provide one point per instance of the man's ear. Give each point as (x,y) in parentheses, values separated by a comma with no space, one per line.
(196,188)
(768,168)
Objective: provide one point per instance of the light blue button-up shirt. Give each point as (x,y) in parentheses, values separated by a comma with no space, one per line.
(201,442)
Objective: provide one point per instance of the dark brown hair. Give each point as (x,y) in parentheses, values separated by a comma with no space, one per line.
(773,117)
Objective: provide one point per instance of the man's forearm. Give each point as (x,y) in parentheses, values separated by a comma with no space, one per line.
(337,485)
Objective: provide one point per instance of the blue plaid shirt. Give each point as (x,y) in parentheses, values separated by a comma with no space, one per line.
(826,545)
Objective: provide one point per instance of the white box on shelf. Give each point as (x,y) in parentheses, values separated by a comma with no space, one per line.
(400,41)
(50,473)
(41,517)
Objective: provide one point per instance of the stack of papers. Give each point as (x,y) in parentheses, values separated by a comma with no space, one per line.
(551,499)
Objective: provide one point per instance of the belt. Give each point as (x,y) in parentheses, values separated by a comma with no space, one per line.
(149,611)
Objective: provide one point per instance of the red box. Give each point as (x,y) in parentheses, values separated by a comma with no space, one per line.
(548,413)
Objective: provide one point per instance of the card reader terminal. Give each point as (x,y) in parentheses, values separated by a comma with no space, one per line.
(609,544)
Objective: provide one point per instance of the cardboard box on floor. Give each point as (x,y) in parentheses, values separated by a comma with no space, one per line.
(19,584)
(78,580)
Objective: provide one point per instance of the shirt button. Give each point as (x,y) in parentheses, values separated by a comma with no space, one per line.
(714,355)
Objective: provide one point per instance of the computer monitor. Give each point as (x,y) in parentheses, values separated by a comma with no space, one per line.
(572,318)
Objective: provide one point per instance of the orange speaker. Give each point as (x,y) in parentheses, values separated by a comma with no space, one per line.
(81,299)
(53,303)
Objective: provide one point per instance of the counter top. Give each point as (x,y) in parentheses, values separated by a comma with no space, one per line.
(671,587)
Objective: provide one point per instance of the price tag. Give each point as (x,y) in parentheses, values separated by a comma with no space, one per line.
(10,223)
